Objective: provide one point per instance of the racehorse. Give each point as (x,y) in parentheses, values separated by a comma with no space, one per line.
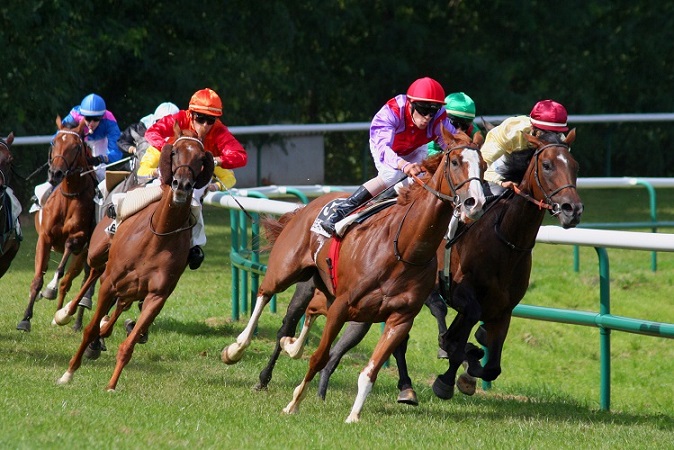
(383,269)
(66,220)
(148,252)
(10,239)
(490,263)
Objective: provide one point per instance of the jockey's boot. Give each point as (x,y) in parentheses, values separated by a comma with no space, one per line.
(195,257)
(348,205)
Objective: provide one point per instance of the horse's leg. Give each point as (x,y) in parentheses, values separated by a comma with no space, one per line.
(496,333)
(406,394)
(90,334)
(336,318)
(42,250)
(304,292)
(436,304)
(295,346)
(396,330)
(74,269)
(352,335)
(152,306)
(65,315)
(233,353)
(51,290)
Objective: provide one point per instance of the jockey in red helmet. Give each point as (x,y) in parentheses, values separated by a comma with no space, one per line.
(399,133)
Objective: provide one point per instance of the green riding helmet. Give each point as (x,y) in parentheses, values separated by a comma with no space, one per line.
(460,105)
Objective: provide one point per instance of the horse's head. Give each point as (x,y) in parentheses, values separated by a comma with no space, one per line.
(68,153)
(463,170)
(551,176)
(185,165)
(6,159)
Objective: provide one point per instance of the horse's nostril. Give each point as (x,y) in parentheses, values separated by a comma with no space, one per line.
(469,202)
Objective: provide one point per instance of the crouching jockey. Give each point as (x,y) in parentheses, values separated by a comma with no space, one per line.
(399,133)
(101,135)
(202,117)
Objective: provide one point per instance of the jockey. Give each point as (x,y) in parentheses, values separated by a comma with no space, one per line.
(461,111)
(203,117)
(399,133)
(508,137)
(101,134)
(132,139)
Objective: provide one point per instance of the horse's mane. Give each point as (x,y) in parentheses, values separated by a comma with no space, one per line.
(515,164)
(411,192)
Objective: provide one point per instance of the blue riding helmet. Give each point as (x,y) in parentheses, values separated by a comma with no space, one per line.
(92,105)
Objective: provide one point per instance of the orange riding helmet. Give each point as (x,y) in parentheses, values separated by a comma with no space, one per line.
(206,101)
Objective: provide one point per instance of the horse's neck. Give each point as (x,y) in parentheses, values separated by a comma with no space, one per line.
(521,221)
(76,184)
(423,223)
(169,215)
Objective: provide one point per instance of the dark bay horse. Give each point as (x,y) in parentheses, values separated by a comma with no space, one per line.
(148,252)
(490,263)
(65,222)
(386,266)
(10,240)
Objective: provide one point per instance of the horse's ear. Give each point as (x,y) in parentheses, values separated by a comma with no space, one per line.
(488,126)
(532,139)
(10,138)
(206,172)
(176,130)
(165,164)
(570,137)
(478,139)
(58,122)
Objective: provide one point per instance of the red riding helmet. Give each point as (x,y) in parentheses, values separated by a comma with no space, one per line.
(549,115)
(206,101)
(426,90)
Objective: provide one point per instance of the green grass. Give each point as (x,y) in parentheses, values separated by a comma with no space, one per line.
(176,393)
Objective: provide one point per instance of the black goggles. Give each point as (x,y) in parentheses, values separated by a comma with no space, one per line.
(426,109)
(203,118)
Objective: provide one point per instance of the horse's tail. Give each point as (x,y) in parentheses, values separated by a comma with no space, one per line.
(273,227)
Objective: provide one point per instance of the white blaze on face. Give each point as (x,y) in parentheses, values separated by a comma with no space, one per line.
(475,191)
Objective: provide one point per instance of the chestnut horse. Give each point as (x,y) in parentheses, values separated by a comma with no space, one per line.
(490,263)
(148,252)
(10,239)
(65,222)
(386,265)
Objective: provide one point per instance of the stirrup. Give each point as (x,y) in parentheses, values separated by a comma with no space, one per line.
(110,211)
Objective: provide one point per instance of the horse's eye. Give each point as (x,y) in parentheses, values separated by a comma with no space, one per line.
(547,165)
(455,162)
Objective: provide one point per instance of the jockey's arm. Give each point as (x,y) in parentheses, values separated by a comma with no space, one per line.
(223,178)
(150,162)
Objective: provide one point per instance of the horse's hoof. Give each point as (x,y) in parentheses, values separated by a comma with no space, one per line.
(227,359)
(466,384)
(92,351)
(443,390)
(61,317)
(85,303)
(442,354)
(24,325)
(49,293)
(408,397)
(260,387)
(65,379)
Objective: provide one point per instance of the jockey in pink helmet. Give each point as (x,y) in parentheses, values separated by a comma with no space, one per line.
(508,137)
(399,133)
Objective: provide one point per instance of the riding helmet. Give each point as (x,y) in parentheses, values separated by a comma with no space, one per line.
(92,105)
(460,105)
(206,101)
(549,115)
(426,90)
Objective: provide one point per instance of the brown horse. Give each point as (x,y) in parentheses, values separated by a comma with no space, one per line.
(10,239)
(148,252)
(386,265)
(486,285)
(65,222)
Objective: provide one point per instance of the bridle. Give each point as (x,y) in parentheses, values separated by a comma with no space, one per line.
(546,203)
(2,173)
(454,199)
(453,188)
(191,219)
(174,184)
(69,164)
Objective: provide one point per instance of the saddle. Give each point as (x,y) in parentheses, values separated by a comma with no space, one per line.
(358,216)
